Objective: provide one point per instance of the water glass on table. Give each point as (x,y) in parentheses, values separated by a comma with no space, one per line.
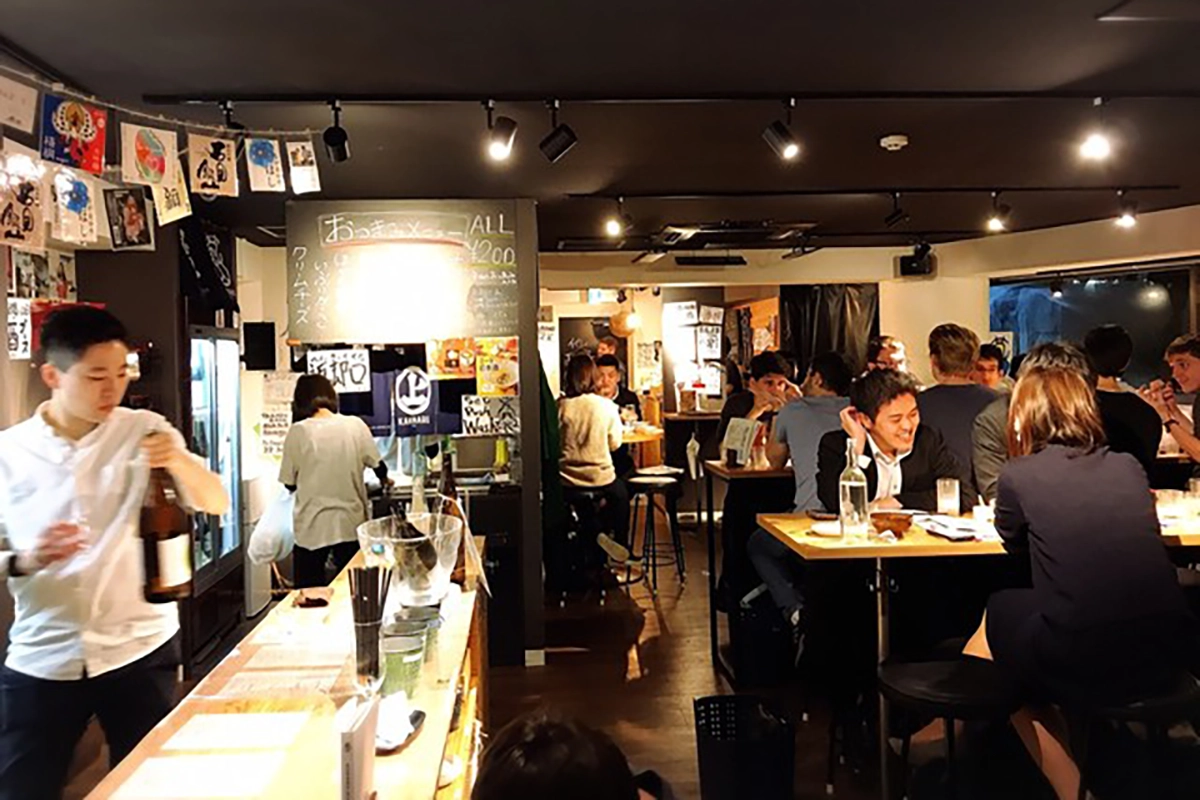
(948,497)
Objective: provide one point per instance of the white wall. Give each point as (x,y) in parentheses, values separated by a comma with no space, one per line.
(910,309)
(262,295)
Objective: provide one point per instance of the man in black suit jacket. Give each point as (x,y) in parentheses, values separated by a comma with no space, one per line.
(901,458)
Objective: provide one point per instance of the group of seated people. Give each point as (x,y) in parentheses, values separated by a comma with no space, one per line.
(1064,456)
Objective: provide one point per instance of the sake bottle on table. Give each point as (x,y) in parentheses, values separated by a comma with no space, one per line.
(852,496)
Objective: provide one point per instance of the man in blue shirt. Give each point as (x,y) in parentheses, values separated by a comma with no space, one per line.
(799,427)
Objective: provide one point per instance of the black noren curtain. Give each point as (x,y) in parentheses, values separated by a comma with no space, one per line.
(820,318)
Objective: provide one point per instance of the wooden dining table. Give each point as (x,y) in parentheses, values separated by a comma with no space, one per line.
(796,531)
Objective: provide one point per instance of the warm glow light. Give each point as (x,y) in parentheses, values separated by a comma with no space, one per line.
(613,227)
(634,320)
(499,151)
(1126,220)
(1096,147)
(996,225)
(791,151)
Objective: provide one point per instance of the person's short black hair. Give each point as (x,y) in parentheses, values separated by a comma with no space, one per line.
(539,757)
(1109,349)
(313,392)
(877,388)
(992,352)
(608,360)
(767,363)
(68,333)
(834,372)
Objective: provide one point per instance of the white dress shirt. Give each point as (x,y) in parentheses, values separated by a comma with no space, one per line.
(85,615)
(887,469)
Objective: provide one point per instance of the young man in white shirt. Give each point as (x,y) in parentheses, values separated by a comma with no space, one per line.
(84,642)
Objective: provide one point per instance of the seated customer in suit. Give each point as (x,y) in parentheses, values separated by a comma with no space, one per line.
(901,458)
(1105,619)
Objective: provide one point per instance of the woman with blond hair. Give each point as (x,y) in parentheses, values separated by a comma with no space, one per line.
(1105,619)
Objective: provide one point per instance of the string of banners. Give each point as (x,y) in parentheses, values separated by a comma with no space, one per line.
(72,137)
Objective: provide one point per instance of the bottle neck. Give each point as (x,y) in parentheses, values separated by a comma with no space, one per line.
(851,456)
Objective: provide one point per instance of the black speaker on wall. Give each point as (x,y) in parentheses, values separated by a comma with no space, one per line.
(258,341)
(921,262)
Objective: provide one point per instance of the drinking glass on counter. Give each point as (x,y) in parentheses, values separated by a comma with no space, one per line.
(948,497)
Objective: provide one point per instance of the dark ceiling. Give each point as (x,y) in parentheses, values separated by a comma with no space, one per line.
(126,50)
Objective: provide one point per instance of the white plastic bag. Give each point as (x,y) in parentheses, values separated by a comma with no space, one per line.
(273,537)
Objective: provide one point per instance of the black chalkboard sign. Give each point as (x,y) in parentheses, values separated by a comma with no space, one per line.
(367,272)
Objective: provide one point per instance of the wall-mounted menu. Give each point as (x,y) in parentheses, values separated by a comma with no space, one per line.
(393,271)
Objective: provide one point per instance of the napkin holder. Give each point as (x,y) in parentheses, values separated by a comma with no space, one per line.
(356,723)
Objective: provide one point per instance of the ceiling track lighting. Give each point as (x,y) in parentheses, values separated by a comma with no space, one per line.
(898,214)
(560,139)
(337,141)
(1096,146)
(1001,216)
(618,225)
(502,131)
(1126,211)
(779,135)
(230,123)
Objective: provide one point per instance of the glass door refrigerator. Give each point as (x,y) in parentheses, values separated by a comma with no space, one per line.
(215,435)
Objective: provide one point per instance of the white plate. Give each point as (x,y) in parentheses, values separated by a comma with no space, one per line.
(830,527)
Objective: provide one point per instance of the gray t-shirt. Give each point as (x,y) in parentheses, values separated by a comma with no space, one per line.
(324,458)
(800,425)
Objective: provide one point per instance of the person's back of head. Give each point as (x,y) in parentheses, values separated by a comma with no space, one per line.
(581,376)
(953,350)
(1109,349)
(1061,355)
(834,373)
(540,757)
(312,394)
(1053,404)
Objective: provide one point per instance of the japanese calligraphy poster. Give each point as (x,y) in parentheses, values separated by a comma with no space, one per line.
(212,165)
(128,218)
(171,201)
(302,164)
(148,155)
(18,105)
(73,133)
(490,416)
(20,329)
(265,166)
(74,207)
(348,370)
(22,223)
(497,366)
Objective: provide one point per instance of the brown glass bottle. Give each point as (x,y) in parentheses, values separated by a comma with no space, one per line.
(166,532)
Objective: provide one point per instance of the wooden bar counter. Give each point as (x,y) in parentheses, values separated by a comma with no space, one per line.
(262,723)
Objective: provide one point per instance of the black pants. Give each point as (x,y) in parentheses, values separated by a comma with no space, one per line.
(309,566)
(42,721)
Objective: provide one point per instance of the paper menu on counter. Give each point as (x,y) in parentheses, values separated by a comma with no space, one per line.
(274,657)
(238,731)
(256,683)
(191,777)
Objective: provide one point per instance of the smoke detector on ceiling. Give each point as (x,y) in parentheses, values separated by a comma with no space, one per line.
(894,142)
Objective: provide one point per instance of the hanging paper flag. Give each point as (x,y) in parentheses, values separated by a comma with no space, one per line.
(302,161)
(20,330)
(21,221)
(128,218)
(171,203)
(265,166)
(212,165)
(73,133)
(148,155)
(18,105)
(75,207)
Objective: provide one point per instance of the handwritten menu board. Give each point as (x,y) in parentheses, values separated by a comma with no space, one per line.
(393,271)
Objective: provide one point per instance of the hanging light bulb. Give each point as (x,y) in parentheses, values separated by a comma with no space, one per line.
(999,220)
(1127,216)
(1096,146)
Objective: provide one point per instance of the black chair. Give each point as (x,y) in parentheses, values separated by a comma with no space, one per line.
(746,748)
(1178,700)
(966,689)
(648,488)
(579,563)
